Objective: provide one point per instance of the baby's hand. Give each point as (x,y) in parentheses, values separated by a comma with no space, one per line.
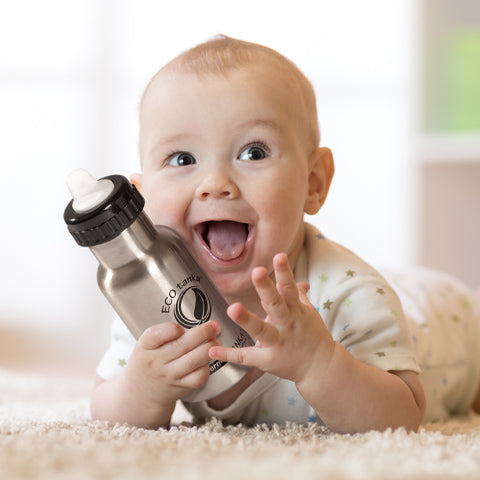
(293,336)
(169,362)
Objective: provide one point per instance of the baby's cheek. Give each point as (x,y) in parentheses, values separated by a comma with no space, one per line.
(162,209)
(162,216)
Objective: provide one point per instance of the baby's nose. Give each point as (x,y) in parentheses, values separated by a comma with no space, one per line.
(217,184)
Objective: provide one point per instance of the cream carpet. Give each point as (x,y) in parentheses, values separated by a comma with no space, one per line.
(46,433)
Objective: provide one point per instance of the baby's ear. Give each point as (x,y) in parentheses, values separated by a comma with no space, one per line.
(136,179)
(321,170)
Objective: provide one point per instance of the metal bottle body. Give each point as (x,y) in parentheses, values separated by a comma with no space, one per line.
(149,276)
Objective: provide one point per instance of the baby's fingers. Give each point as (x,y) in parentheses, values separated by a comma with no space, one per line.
(250,356)
(285,280)
(174,340)
(272,302)
(263,332)
(158,335)
(193,361)
(303,289)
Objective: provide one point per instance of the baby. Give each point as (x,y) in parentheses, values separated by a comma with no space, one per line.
(229,146)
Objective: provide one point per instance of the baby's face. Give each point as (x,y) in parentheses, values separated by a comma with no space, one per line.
(224,165)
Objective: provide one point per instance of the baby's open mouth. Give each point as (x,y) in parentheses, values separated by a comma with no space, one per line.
(226,239)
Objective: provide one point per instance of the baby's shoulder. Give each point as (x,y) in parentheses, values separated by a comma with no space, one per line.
(328,258)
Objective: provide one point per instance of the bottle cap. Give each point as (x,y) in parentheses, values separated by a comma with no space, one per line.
(87,192)
(101,209)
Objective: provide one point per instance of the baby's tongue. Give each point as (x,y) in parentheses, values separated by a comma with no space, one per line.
(227,239)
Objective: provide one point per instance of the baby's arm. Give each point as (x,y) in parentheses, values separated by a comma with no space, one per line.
(350,396)
(294,343)
(166,364)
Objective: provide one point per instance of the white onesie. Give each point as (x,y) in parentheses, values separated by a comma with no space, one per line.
(435,333)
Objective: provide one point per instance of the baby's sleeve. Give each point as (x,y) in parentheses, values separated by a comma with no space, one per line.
(357,304)
(121,346)
(365,315)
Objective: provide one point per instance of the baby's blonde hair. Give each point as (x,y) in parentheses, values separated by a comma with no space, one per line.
(222,53)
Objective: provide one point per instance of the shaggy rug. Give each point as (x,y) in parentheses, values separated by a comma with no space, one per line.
(46,433)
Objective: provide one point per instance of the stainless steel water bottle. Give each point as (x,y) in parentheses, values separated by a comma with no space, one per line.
(147,272)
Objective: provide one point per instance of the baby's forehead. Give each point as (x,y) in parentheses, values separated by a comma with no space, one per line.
(295,89)
(174,76)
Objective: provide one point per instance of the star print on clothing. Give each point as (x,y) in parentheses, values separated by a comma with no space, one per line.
(347,302)
(380,291)
(122,362)
(292,401)
(319,236)
(350,273)
(327,304)
(380,354)
(323,278)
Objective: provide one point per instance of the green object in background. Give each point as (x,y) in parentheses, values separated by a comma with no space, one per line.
(462,95)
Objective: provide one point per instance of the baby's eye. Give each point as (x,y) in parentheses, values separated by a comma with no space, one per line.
(253,152)
(181,160)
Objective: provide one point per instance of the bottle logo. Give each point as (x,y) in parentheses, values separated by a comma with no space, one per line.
(187,316)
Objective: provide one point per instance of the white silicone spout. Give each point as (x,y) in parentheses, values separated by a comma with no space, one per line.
(87,192)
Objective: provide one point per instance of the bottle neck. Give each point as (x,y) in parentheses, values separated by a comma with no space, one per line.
(130,245)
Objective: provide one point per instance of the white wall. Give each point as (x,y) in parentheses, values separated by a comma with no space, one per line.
(71,76)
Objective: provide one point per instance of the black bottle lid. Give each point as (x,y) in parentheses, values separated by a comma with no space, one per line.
(109,218)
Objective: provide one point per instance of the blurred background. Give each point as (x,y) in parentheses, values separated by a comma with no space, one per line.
(398,93)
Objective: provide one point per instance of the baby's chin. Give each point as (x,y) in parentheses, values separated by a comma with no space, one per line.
(236,287)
